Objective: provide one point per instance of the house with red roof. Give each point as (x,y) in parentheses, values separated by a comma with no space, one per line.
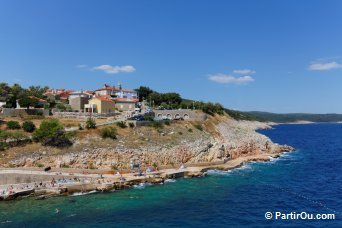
(116,92)
(101,105)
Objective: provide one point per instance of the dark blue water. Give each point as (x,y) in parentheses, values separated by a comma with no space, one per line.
(308,180)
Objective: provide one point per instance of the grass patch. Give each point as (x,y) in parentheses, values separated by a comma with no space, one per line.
(198,127)
(157,125)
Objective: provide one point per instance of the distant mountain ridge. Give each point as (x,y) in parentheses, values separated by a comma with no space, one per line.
(294,117)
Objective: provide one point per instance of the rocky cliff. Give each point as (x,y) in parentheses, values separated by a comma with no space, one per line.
(216,139)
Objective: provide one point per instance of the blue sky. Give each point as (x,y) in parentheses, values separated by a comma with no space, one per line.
(278,56)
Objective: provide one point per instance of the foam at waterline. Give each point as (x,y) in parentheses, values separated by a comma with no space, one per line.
(244,167)
(170,181)
(141,185)
(214,172)
(83,193)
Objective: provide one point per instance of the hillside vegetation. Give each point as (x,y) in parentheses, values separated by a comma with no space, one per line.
(294,117)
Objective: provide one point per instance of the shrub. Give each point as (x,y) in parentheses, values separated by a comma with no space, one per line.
(109,132)
(91,166)
(3,146)
(211,108)
(29,126)
(131,125)
(48,129)
(40,165)
(61,107)
(90,123)
(190,130)
(155,165)
(148,118)
(180,133)
(13,125)
(52,133)
(121,124)
(199,127)
(157,125)
(167,122)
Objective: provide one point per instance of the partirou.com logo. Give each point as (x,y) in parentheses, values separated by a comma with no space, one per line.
(277,215)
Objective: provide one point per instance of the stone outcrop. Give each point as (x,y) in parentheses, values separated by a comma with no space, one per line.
(232,139)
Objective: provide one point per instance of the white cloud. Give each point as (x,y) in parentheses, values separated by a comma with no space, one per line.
(81,66)
(114,69)
(244,71)
(325,66)
(229,79)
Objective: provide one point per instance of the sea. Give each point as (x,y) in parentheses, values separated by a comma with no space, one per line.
(290,191)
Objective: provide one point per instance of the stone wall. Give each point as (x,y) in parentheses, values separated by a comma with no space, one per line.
(186,114)
(18,178)
(6,112)
(81,114)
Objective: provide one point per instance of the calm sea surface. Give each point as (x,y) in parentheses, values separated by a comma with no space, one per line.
(307,180)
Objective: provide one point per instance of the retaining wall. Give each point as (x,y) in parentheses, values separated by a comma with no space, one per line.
(186,114)
(6,112)
(81,115)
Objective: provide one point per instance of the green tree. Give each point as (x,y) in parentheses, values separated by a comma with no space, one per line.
(156,98)
(144,92)
(171,98)
(16,93)
(36,91)
(5,91)
(28,102)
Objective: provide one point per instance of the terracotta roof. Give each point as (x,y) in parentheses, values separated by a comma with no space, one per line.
(103,98)
(57,91)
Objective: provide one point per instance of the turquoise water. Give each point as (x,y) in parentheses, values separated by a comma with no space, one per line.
(309,179)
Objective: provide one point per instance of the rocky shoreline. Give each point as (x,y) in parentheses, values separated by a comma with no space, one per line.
(110,183)
(223,144)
